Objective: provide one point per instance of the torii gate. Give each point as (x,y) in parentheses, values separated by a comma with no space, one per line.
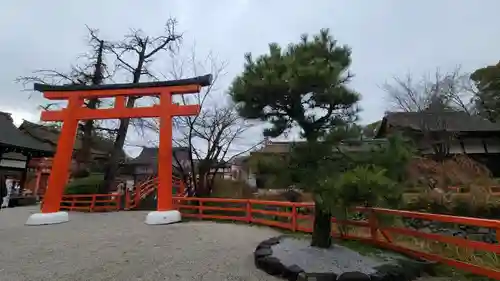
(75,111)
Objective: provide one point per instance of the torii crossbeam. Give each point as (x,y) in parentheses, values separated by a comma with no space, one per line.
(75,111)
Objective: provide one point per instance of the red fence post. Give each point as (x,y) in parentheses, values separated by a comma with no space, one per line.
(92,205)
(248,211)
(497,231)
(372,220)
(294,217)
(137,197)
(118,200)
(127,199)
(200,209)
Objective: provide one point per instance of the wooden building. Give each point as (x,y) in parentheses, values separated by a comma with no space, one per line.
(17,149)
(100,148)
(146,164)
(462,133)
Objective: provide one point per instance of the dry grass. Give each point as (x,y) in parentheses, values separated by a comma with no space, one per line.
(458,171)
(479,258)
(231,189)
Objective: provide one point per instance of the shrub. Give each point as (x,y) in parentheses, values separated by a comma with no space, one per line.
(86,185)
(80,173)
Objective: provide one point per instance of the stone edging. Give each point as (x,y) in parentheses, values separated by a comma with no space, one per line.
(264,260)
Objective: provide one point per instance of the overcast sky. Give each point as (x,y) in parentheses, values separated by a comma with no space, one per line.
(388,37)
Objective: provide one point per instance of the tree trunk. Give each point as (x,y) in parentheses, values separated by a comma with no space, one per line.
(201,187)
(322,237)
(121,134)
(113,162)
(84,156)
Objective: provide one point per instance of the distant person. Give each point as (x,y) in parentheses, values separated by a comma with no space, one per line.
(9,185)
(3,190)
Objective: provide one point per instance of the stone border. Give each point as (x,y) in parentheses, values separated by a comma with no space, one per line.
(405,270)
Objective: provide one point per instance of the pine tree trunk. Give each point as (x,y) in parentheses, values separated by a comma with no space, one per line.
(322,228)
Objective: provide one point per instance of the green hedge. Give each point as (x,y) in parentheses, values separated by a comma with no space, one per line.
(86,185)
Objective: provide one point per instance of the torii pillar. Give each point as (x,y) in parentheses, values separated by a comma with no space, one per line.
(75,111)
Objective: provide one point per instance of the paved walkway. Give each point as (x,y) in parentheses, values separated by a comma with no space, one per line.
(119,246)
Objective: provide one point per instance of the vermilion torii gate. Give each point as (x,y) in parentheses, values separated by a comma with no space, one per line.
(75,111)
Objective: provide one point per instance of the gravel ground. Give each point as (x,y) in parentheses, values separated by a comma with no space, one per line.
(119,246)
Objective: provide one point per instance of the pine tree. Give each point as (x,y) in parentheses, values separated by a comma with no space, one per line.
(303,85)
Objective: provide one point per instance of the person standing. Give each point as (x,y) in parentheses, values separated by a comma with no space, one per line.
(3,189)
(9,182)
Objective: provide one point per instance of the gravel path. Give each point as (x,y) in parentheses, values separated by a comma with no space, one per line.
(119,246)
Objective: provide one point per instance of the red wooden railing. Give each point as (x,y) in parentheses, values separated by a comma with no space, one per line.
(91,202)
(146,187)
(298,217)
(287,215)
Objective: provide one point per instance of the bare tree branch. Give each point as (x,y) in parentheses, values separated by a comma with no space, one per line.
(213,135)
(410,95)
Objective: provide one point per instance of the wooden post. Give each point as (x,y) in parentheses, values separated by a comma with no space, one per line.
(62,159)
(249,211)
(165,154)
(137,195)
(294,217)
(373,222)
(37,182)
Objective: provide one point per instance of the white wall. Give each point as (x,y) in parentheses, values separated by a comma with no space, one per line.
(14,160)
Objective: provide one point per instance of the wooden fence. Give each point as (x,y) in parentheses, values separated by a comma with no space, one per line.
(91,202)
(298,217)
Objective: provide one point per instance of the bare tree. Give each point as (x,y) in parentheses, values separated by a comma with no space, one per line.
(215,136)
(410,95)
(134,55)
(93,71)
(431,100)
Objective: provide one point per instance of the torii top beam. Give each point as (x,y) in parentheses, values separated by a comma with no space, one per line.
(126,89)
(119,92)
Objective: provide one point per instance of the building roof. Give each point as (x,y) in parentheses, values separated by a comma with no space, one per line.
(351,145)
(50,136)
(12,137)
(452,121)
(149,156)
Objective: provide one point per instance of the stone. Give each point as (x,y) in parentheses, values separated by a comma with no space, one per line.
(262,252)
(163,217)
(292,272)
(460,233)
(263,246)
(271,241)
(483,230)
(271,265)
(47,218)
(321,276)
(302,276)
(353,276)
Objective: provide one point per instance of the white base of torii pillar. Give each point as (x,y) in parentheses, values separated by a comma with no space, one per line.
(163,217)
(47,218)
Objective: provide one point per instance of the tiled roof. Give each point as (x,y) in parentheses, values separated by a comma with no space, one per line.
(50,135)
(149,156)
(453,121)
(348,145)
(13,137)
